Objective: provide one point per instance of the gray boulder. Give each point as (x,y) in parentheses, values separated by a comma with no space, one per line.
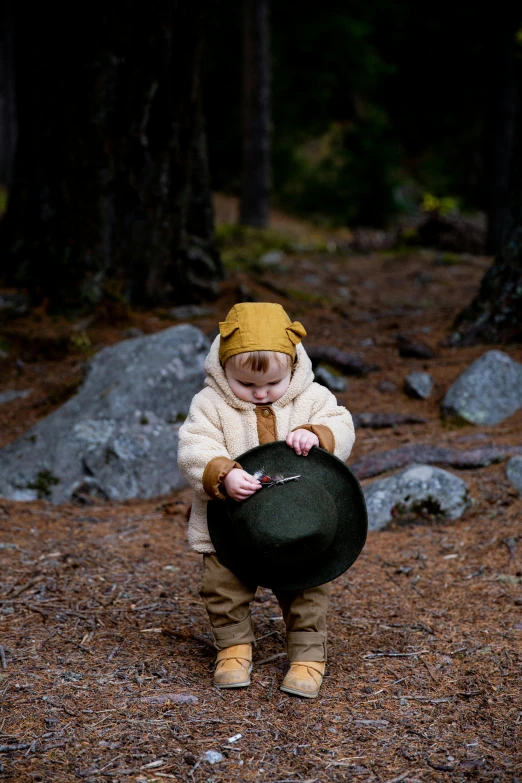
(415,487)
(336,383)
(514,472)
(488,391)
(419,384)
(117,438)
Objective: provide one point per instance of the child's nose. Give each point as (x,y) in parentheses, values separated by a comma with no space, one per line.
(259,394)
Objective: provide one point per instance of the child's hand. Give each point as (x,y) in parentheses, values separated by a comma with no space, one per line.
(301,441)
(240,484)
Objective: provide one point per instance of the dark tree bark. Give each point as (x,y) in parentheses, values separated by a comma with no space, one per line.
(7,94)
(256,172)
(501,120)
(110,188)
(495,315)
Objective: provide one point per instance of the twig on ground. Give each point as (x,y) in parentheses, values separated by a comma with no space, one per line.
(404,777)
(204,640)
(2,658)
(189,637)
(344,762)
(266,635)
(60,707)
(36,609)
(75,644)
(428,669)
(271,658)
(394,654)
(16,591)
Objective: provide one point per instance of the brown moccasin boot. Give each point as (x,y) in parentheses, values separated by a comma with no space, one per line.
(304,678)
(233,666)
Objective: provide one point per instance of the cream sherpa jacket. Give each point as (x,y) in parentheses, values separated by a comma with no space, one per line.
(219,424)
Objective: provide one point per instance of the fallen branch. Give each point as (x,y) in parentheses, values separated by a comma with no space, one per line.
(414,349)
(440,767)
(421,453)
(381,420)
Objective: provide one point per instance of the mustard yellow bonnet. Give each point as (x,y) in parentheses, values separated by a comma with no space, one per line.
(258,326)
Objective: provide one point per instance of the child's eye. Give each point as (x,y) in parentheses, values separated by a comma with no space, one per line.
(274,383)
(245,384)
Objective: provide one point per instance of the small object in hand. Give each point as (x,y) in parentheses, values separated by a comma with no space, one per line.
(271,481)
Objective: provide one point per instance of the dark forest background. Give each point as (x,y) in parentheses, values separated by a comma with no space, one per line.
(373,104)
(113,137)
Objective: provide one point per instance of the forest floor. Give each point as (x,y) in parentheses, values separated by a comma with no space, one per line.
(105,654)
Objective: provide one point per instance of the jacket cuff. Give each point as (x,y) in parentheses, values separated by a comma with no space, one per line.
(215,473)
(324,433)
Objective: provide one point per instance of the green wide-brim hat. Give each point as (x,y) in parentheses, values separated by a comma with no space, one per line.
(295,535)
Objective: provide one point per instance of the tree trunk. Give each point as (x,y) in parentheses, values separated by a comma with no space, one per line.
(256,115)
(501,122)
(7,96)
(108,179)
(495,315)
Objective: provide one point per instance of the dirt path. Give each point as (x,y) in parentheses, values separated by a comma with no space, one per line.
(105,665)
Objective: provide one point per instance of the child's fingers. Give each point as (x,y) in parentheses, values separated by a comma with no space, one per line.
(250,480)
(305,442)
(302,444)
(243,494)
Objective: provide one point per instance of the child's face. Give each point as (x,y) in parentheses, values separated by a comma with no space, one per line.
(258,387)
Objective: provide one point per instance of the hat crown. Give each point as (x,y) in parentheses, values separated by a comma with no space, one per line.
(300,534)
(258,326)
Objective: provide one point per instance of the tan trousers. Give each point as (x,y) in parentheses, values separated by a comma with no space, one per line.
(227,601)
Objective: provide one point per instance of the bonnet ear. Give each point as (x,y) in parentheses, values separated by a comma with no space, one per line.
(295,332)
(226,328)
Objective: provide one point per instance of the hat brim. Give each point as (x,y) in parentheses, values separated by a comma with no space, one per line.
(322,468)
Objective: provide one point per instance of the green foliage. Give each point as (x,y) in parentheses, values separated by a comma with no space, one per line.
(241,247)
(444,205)
(80,341)
(3,200)
(447,258)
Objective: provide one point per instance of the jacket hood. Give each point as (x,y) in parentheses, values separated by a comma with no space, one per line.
(302,377)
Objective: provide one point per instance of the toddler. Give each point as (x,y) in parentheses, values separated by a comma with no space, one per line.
(259,388)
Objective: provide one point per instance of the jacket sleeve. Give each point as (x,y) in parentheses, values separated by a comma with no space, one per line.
(202,455)
(326,413)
